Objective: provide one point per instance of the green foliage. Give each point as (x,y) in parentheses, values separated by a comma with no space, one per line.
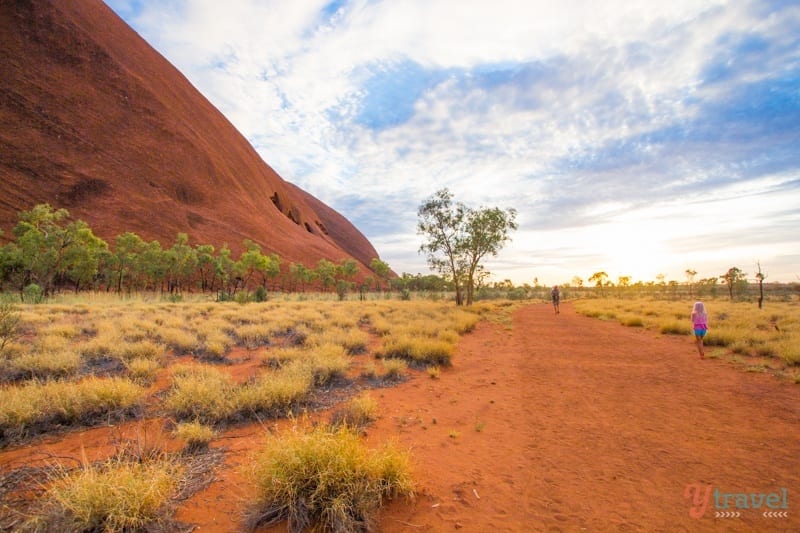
(736,281)
(53,252)
(33,294)
(458,238)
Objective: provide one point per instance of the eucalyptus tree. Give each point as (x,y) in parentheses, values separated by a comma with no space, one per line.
(458,238)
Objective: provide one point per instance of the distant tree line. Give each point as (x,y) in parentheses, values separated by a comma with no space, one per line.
(50,253)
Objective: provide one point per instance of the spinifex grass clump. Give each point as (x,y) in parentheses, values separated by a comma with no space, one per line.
(325,480)
(57,402)
(118,495)
(356,413)
(418,349)
(206,394)
(196,435)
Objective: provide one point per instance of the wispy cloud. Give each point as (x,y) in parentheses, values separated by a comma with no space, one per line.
(632,137)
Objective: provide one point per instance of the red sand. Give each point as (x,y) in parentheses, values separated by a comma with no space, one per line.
(558,423)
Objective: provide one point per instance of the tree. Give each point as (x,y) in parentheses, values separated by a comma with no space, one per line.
(487,231)
(205,264)
(123,261)
(690,274)
(224,269)
(84,260)
(760,276)
(181,262)
(381,269)
(458,238)
(46,241)
(441,222)
(599,279)
(734,278)
(326,273)
(302,274)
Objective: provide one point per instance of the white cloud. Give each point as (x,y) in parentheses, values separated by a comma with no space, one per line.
(557,109)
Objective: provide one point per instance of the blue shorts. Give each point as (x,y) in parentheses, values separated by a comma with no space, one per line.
(700,333)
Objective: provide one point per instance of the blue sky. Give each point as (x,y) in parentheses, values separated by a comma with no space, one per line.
(637,138)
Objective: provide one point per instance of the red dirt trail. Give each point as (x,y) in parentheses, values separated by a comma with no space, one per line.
(588,425)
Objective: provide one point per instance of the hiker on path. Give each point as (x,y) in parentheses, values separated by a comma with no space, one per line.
(554,294)
(700,326)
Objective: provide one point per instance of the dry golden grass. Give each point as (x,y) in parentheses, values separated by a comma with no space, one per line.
(310,344)
(195,434)
(118,495)
(324,480)
(358,412)
(64,402)
(741,327)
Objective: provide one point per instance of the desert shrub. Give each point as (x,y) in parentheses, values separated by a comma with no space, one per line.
(352,339)
(196,435)
(369,371)
(33,294)
(179,339)
(67,331)
(357,412)
(434,372)
(274,393)
(142,369)
(64,402)
(43,364)
(673,327)
(326,362)
(9,324)
(254,335)
(144,349)
(418,349)
(117,495)
(202,393)
(632,321)
(789,348)
(394,369)
(324,479)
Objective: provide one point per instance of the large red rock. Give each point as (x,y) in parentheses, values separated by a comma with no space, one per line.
(94,120)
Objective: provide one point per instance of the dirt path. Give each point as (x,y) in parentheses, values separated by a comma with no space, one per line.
(566,423)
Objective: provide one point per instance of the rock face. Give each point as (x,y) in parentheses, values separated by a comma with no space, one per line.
(94,120)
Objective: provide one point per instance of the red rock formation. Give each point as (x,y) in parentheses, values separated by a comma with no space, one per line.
(93,119)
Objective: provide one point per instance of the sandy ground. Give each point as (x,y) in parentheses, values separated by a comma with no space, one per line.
(550,423)
(566,423)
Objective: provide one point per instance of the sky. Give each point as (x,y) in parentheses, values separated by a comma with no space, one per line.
(637,138)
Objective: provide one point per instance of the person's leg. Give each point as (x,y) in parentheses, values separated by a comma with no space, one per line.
(698,340)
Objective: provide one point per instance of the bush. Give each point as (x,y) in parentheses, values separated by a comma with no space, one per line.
(64,402)
(358,412)
(33,294)
(196,435)
(325,480)
(9,324)
(119,495)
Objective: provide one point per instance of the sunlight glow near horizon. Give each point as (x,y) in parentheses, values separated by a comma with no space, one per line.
(633,138)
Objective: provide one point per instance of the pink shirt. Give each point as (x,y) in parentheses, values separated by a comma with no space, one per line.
(699,321)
